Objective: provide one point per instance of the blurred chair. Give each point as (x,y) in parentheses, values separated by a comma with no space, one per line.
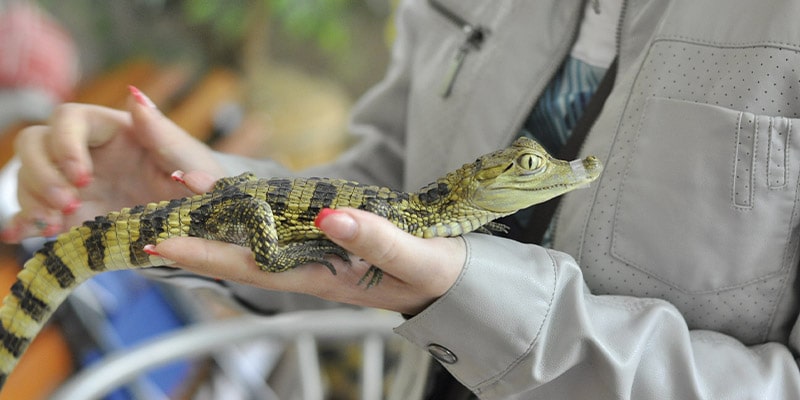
(299,331)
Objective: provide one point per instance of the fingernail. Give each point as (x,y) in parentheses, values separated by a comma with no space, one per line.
(151,250)
(71,207)
(10,234)
(141,98)
(177,176)
(80,176)
(60,195)
(51,230)
(84,179)
(336,224)
(323,214)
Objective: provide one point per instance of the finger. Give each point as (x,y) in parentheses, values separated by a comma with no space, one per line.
(175,149)
(75,129)
(29,224)
(235,263)
(198,182)
(41,184)
(206,257)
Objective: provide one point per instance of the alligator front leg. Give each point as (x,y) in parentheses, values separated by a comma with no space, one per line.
(239,218)
(306,252)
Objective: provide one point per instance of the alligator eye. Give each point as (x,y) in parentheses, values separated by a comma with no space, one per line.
(531,163)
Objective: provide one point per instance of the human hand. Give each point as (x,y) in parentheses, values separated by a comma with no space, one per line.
(89,160)
(416,271)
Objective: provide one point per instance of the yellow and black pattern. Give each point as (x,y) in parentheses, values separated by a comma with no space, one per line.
(275,219)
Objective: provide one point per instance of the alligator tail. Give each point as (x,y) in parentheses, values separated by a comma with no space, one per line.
(53,273)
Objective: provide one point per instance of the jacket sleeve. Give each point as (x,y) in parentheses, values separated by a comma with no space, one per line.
(544,335)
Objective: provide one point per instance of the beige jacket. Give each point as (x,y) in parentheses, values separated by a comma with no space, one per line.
(674,276)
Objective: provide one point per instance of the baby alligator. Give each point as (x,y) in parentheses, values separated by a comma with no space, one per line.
(275,219)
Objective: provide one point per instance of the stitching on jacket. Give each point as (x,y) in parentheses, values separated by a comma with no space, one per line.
(751,184)
(784,174)
(787,161)
(687,39)
(618,208)
(737,133)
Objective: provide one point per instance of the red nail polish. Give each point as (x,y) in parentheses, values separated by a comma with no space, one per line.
(10,234)
(51,230)
(324,213)
(140,97)
(177,176)
(151,250)
(71,207)
(83,180)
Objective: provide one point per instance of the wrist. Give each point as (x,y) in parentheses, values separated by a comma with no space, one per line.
(494,310)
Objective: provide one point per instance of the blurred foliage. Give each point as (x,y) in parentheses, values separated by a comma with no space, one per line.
(342,40)
(321,21)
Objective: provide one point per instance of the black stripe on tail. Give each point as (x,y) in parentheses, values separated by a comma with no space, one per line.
(96,242)
(14,344)
(35,307)
(56,267)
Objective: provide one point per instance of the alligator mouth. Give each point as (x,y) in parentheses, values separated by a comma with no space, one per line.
(544,188)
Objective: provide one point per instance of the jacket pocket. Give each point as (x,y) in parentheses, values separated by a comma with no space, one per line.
(707,189)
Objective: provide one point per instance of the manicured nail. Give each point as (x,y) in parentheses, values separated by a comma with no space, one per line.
(11,233)
(141,98)
(151,250)
(84,179)
(343,226)
(51,230)
(73,206)
(177,176)
(323,214)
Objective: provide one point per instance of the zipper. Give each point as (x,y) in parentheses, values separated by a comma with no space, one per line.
(474,35)
(620,21)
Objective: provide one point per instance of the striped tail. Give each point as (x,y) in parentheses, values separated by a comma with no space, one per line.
(53,272)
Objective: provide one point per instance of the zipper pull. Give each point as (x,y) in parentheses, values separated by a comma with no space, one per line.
(452,72)
(596,6)
(473,41)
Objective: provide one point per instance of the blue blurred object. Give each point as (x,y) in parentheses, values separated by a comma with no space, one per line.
(119,310)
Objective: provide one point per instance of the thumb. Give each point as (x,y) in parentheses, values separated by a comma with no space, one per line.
(362,233)
(437,261)
(174,148)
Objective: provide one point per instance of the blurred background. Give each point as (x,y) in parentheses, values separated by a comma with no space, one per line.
(260,78)
(213,64)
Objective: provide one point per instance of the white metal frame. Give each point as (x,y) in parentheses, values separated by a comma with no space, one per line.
(302,328)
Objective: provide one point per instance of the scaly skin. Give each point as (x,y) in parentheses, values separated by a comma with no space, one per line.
(275,218)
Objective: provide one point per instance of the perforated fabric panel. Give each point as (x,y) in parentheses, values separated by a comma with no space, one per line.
(697,204)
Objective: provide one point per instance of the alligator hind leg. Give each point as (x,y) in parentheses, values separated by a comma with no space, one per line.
(372,277)
(493,227)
